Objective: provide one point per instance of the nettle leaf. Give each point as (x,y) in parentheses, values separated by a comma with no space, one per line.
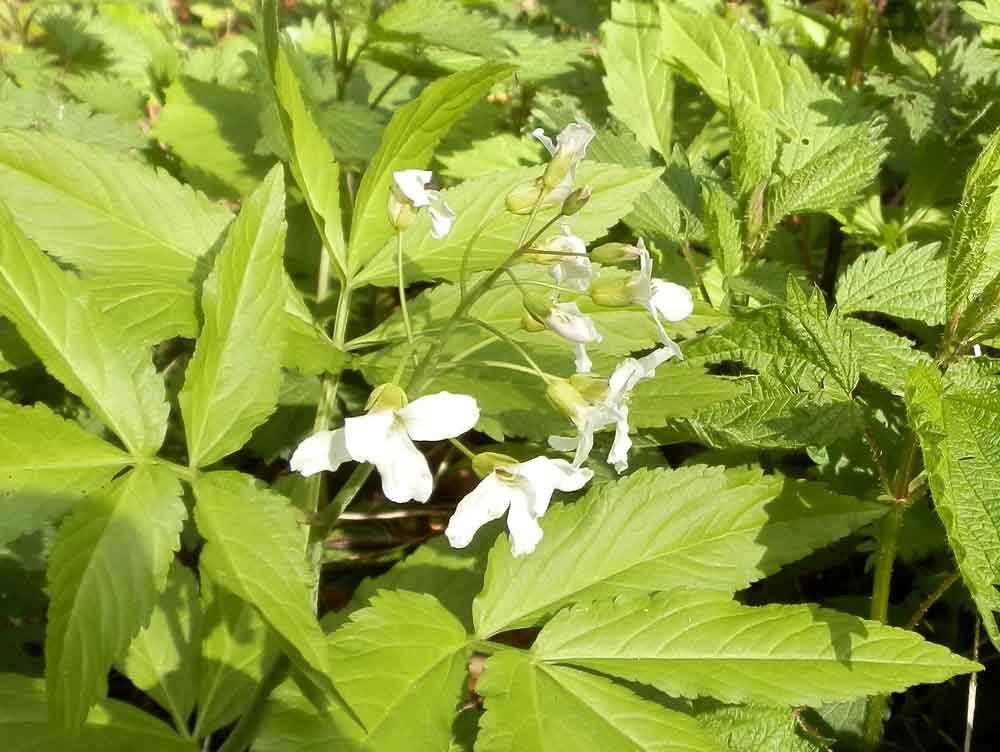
(884,357)
(232,382)
(311,160)
(908,283)
(689,642)
(974,243)
(723,529)
(638,82)
(47,464)
(958,431)
(111,726)
(821,337)
(236,651)
(401,665)
(109,560)
(753,728)
(113,376)
(723,230)
(163,658)
(529,704)
(677,392)
(442,23)
(408,143)
(483,221)
(255,550)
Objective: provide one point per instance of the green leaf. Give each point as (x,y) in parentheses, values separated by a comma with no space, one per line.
(312,161)
(214,130)
(723,231)
(908,283)
(531,705)
(884,357)
(236,652)
(958,431)
(677,392)
(753,146)
(639,84)
(408,143)
(401,665)
(621,538)
(483,221)
(163,658)
(442,23)
(974,243)
(690,643)
(47,464)
(112,726)
(77,344)
(255,549)
(753,728)
(108,562)
(821,337)
(291,723)
(232,382)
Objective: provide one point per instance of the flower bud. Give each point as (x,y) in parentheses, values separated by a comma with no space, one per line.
(521,198)
(530,324)
(576,200)
(568,151)
(611,254)
(538,305)
(485,463)
(386,397)
(612,293)
(567,400)
(401,211)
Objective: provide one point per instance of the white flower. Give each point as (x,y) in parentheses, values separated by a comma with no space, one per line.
(567,152)
(385,435)
(566,320)
(411,185)
(663,299)
(575,271)
(612,410)
(525,489)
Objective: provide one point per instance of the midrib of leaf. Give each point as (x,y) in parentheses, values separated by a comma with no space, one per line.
(619,730)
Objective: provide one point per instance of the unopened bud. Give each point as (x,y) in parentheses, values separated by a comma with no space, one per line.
(386,397)
(522,198)
(611,254)
(530,324)
(538,305)
(485,463)
(567,400)
(577,200)
(401,211)
(611,292)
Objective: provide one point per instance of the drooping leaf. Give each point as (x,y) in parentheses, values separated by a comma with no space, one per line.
(908,283)
(111,726)
(690,643)
(47,464)
(163,658)
(531,705)
(109,561)
(624,539)
(638,81)
(232,382)
(113,376)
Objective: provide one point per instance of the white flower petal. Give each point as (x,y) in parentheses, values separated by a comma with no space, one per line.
(525,532)
(564,443)
(672,301)
(573,140)
(545,475)
(539,133)
(412,184)
(618,456)
(566,320)
(486,502)
(657,358)
(326,450)
(574,273)
(439,416)
(404,470)
(582,361)
(365,435)
(442,217)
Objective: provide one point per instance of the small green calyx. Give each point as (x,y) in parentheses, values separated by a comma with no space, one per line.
(386,397)
(592,388)
(522,197)
(611,254)
(567,399)
(611,293)
(401,211)
(576,200)
(538,305)
(488,462)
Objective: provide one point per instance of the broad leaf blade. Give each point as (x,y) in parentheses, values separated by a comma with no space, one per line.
(112,375)
(531,704)
(691,643)
(908,283)
(109,561)
(621,538)
(231,385)
(47,464)
(408,143)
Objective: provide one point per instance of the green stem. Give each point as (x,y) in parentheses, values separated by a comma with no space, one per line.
(516,346)
(403,310)
(331,513)
(245,730)
(463,448)
(493,364)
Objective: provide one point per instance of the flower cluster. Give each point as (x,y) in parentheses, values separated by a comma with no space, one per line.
(384,436)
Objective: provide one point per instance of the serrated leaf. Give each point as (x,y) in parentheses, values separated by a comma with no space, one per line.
(638,82)
(113,376)
(883,357)
(291,723)
(163,658)
(236,652)
(723,231)
(408,143)
(47,464)
(958,431)
(442,23)
(232,382)
(753,728)
(677,392)
(111,726)
(908,283)
(255,550)
(530,704)
(821,337)
(108,562)
(621,538)
(691,643)
(479,206)
(400,664)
